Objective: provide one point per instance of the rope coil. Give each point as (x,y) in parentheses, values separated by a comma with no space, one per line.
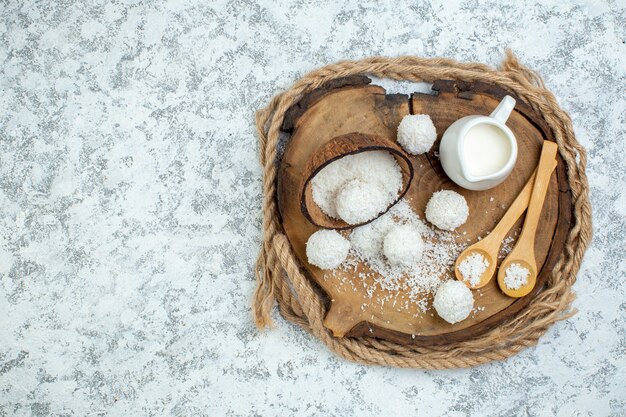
(280,278)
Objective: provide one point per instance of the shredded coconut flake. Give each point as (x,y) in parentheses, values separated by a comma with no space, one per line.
(473,267)
(516,276)
(418,280)
(377,169)
(507,247)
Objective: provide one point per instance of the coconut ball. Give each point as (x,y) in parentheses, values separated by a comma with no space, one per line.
(371,167)
(453,301)
(417,133)
(359,201)
(327,249)
(403,245)
(447,210)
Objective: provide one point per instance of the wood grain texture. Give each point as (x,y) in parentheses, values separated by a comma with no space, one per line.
(369,110)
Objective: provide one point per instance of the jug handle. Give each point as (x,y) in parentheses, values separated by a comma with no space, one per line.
(504,109)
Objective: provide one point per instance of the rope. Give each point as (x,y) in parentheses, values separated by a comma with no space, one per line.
(280,278)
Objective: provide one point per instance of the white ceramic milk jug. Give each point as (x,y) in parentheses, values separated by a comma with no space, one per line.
(479,152)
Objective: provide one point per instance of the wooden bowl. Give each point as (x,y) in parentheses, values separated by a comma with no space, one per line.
(336,148)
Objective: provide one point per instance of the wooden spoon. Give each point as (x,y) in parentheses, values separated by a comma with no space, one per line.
(489,247)
(523,253)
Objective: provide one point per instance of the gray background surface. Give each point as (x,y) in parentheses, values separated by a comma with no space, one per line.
(130,198)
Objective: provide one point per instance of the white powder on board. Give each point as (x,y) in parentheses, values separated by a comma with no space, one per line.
(374,168)
(473,267)
(507,247)
(516,276)
(419,279)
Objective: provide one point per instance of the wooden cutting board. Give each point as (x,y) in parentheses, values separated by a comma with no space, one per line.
(352,105)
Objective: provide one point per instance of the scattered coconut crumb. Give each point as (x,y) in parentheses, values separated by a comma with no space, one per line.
(507,247)
(383,281)
(516,276)
(327,249)
(417,133)
(447,210)
(473,267)
(454,301)
(374,168)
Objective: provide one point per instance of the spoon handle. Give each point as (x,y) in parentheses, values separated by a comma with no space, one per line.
(542,180)
(516,209)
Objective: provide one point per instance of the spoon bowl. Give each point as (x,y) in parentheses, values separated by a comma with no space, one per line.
(524,289)
(524,251)
(489,247)
(487,252)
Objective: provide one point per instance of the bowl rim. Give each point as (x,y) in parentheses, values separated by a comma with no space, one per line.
(389,147)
